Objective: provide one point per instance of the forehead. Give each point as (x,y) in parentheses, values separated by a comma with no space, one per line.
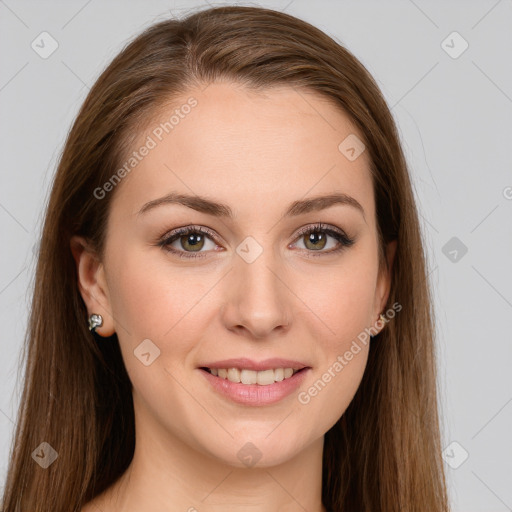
(250,149)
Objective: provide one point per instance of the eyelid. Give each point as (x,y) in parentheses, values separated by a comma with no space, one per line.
(320,226)
(188,229)
(193,228)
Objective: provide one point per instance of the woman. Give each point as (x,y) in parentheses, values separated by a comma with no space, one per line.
(231,308)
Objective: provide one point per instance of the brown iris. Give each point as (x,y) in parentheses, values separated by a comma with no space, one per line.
(193,241)
(315,238)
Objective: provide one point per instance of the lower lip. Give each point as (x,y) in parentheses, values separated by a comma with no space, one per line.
(255,394)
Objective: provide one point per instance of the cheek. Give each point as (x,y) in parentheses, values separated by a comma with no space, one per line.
(343,351)
(152,298)
(156,300)
(342,300)
(342,297)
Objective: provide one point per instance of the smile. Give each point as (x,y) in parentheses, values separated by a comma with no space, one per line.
(255,388)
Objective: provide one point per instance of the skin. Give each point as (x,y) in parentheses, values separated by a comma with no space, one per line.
(257,152)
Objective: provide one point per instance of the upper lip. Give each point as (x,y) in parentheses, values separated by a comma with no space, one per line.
(249,364)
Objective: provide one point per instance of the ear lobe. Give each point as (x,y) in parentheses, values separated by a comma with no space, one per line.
(92,283)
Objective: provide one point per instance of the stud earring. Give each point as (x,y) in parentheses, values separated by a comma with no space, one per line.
(95,321)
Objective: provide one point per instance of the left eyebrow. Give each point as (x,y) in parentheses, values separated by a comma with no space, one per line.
(217,209)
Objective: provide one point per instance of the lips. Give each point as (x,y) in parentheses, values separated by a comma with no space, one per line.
(251,382)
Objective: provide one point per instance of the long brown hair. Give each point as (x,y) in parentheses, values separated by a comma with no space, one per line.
(384,453)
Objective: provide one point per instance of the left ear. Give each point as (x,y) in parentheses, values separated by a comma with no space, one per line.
(384,280)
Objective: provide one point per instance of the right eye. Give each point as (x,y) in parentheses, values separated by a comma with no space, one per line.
(191,239)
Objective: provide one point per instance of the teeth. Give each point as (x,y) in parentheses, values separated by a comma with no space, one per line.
(234,374)
(248,377)
(263,378)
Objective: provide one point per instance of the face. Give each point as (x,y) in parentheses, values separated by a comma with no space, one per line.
(254,279)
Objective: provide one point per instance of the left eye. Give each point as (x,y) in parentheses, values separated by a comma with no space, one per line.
(315,238)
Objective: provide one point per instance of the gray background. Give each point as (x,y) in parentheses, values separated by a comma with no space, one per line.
(454,117)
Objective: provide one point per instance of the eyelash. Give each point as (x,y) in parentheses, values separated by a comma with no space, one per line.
(338,235)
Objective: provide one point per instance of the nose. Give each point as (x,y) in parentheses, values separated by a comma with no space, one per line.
(258,299)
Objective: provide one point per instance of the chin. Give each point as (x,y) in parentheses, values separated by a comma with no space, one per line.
(259,448)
